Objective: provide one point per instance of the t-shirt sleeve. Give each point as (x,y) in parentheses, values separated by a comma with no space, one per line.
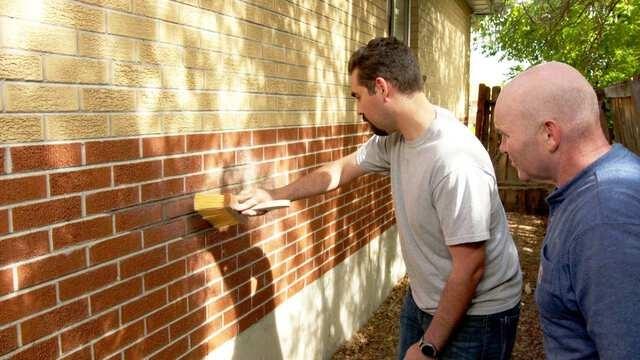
(373,155)
(463,202)
(605,271)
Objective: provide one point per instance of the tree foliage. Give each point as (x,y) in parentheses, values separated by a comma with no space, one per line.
(600,38)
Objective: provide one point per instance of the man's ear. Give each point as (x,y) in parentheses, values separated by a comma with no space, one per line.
(552,134)
(382,87)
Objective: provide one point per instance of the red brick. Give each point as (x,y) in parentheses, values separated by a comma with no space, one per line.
(264,137)
(46,213)
(201,182)
(111,200)
(162,189)
(145,304)
(38,157)
(187,323)
(82,354)
(81,231)
(137,172)
(185,286)
(4,222)
(116,247)
(112,150)
(275,152)
(207,329)
(6,281)
(50,267)
(142,262)
(52,321)
(163,145)
(182,165)
(92,329)
(118,340)
(138,217)
(116,295)
(82,180)
(23,247)
(289,134)
(307,132)
(296,149)
(22,189)
(178,207)
(44,350)
(87,282)
(236,139)
(8,340)
(219,160)
(249,156)
(186,246)
(201,259)
(26,304)
(173,351)
(163,232)
(166,315)
(203,142)
(147,346)
(2,151)
(164,275)
(200,297)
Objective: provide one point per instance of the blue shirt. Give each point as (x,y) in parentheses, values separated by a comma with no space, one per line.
(588,290)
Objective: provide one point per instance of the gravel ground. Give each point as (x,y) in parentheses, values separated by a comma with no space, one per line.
(378,338)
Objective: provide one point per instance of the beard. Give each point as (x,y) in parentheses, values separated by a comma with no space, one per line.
(375,129)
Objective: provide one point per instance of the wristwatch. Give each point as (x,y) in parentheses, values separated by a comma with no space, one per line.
(428,349)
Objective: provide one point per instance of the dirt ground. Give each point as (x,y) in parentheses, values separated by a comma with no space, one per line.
(378,338)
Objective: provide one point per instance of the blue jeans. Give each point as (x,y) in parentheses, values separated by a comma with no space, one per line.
(484,337)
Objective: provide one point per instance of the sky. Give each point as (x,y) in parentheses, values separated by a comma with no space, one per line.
(488,70)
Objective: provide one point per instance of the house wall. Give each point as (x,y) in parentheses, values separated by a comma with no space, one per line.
(115,112)
(440,36)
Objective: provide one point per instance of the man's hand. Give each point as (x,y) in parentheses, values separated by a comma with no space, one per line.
(414,353)
(248,198)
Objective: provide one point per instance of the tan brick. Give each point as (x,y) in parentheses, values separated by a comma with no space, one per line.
(202,59)
(161,54)
(164,10)
(60,127)
(178,34)
(136,124)
(132,26)
(96,99)
(33,36)
(76,70)
(126,74)
(181,78)
(21,66)
(20,128)
(60,12)
(113,4)
(107,46)
(182,122)
(158,100)
(34,97)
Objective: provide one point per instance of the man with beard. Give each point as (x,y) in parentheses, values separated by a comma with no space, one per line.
(588,290)
(464,275)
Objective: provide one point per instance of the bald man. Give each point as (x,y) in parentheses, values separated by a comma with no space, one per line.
(588,290)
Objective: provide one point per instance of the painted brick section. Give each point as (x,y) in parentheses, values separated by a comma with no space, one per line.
(22,189)
(40,157)
(82,180)
(23,247)
(45,213)
(114,113)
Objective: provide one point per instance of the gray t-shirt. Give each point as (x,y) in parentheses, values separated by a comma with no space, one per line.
(445,193)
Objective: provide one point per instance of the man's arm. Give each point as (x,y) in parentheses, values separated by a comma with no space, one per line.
(321,180)
(466,272)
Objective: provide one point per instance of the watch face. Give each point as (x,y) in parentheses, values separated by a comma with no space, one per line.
(428,350)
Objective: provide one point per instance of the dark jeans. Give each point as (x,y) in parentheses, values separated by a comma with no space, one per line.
(484,337)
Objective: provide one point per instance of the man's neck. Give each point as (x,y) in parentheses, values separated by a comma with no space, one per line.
(414,116)
(579,159)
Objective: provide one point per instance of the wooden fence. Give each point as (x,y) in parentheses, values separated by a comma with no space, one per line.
(517,195)
(623,101)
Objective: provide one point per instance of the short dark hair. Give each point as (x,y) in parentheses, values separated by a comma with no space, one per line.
(390,59)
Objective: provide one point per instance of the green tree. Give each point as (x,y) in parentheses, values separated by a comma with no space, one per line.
(600,38)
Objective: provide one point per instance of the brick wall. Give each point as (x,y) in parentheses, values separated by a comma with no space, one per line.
(115,112)
(441,38)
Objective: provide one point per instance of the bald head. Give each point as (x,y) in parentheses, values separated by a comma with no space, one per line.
(555,91)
